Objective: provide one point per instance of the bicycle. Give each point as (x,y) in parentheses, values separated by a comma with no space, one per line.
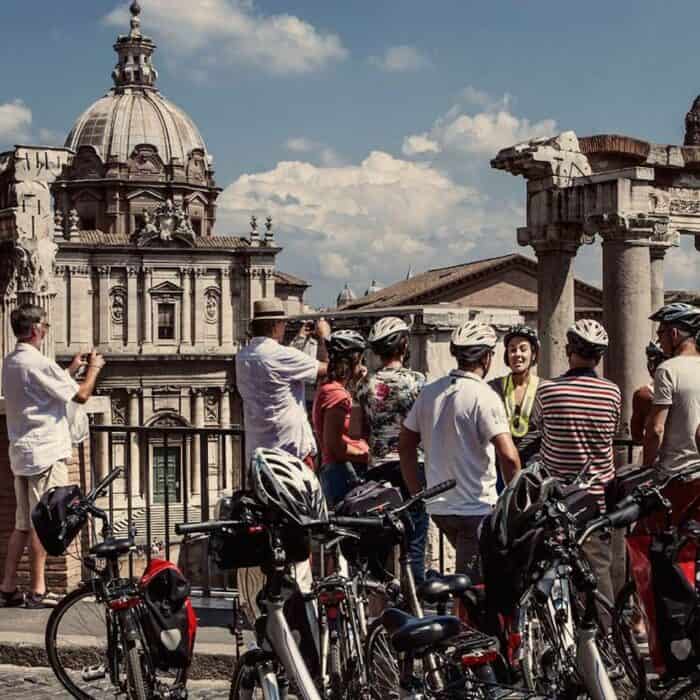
(94,637)
(644,500)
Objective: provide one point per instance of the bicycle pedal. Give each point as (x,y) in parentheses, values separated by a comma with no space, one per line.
(93,673)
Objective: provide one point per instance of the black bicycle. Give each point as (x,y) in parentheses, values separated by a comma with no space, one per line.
(95,637)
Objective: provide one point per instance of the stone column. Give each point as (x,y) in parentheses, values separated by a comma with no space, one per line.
(198,306)
(555,303)
(661,241)
(132,314)
(134,419)
(104,301)
(198,416)
(226,309)
(147,307)
(186,329)
(226,466)
(626,309)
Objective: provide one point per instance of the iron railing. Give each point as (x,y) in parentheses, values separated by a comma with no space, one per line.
(155,505)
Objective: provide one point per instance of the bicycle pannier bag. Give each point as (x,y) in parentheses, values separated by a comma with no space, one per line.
(250,546)
(55,525)
(373,547)
(168,622)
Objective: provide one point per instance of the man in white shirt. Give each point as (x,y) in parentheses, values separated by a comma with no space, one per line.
(271,379)
(37,395)
(462,425)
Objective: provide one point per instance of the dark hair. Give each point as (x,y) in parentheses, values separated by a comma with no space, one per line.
(24,317)
(342,367)
(263,326)
(398,350)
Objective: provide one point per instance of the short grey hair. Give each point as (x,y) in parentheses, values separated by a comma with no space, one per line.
(24,317)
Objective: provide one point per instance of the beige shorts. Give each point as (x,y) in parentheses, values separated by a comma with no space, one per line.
(30,489)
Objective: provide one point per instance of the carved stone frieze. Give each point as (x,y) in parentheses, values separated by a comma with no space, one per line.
(120,409)
(685,207)
(211,408)
(118,305)
(79,269)
(167,225)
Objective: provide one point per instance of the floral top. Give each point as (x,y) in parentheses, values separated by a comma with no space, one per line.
(386,397)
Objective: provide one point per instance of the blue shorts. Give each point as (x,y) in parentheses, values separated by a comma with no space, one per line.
(337,479)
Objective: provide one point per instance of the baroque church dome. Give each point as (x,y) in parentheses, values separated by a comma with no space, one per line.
(134,112)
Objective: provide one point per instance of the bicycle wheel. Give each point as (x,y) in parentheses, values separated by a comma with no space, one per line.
(246,684)
(137,684)
(382,666)
(78,649)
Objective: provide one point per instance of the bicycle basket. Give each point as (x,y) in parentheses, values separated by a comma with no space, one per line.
(168,621)
(55,524)
(249,547)
(372,547)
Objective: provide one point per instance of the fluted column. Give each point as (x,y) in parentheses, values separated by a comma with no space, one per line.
(134,419)
(198,420)
(226,309)
(226,465)
(555,302)
(104,308)
(147,307)
(186,324)
(626,307)
(198,306)
(132,317)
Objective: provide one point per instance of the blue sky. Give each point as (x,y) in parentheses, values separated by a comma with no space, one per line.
(366,128)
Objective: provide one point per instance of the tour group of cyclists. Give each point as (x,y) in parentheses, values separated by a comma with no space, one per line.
(481,433)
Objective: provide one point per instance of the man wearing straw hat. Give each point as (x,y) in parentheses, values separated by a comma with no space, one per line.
(271,380)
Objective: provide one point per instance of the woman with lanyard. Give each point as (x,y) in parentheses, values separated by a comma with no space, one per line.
(519,389)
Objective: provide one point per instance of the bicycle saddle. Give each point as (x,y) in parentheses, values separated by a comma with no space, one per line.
(422,632)
(441,588)
(111,549)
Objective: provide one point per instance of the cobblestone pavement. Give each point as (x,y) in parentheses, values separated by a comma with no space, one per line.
(26,683)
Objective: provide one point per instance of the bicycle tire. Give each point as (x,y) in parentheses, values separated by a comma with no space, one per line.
(382,665)
(245,683)
(138,690)
(623,638)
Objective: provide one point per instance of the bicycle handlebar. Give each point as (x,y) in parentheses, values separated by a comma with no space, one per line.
(102,486)
(208,526)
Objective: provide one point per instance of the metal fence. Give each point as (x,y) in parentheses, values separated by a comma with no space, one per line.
(178,477)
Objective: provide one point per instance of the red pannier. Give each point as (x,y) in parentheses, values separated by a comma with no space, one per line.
(169,622)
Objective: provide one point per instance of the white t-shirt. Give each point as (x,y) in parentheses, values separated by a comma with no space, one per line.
(677,385)
(457,416)
(37,396)
(270,379)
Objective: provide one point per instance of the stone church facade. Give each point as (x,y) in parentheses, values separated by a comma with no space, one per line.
(113,236)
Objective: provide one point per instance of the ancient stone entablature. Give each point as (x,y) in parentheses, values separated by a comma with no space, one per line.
(168,224)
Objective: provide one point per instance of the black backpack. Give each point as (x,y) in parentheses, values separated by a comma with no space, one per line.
(169,622)
(55,521)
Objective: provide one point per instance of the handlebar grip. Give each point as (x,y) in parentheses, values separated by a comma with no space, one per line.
(625,516)
(353,523)
(439,488)
(206,526)
(112,476)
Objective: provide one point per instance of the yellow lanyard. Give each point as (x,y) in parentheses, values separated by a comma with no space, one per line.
(519,414)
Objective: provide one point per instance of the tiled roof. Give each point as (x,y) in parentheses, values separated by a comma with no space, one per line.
(415,289)
(291,280)
(99,238)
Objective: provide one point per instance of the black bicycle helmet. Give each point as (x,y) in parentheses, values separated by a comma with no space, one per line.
(345,342)
(522,331)
(387,334)
(685,316)
(283,482)
(655,353)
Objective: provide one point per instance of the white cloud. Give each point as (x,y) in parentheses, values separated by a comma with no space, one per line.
(232,31)
(15,122)
(49,137)
(400,59)
(682,266)
(484,133)
(325,155)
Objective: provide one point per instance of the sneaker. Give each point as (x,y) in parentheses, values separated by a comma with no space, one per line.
(11,600)
(37,601)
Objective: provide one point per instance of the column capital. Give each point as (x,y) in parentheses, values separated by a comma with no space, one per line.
(103,269)
(632,229)
(185,269)
(132,270)
(134,392)
(552,239)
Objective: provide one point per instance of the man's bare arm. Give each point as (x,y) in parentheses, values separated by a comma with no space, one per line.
(408,454)
(654,433)
(508,456)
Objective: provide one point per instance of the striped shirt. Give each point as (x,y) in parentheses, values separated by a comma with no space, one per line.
(578,415)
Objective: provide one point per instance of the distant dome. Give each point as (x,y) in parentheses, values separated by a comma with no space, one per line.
(134,112)
(346,296)
(120,121)
(373,287)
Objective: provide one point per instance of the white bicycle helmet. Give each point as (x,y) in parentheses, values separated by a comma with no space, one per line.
(472,339)
(386,334)
(284,482)
(588,337)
